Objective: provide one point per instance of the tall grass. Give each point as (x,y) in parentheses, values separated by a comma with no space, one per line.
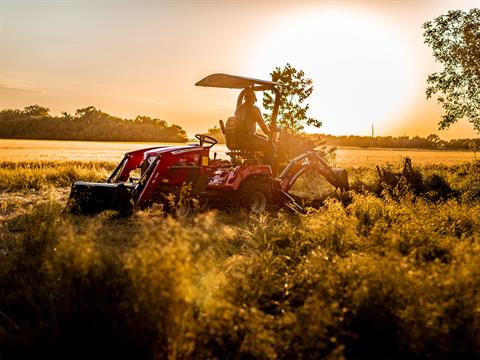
(379,275)
(35,175)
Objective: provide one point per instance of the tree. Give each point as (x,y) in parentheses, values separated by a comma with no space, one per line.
(36,110)
(148,120)
(434,139)
(86,111)
(217,134)
(66,115)
(296,89)
(455,40)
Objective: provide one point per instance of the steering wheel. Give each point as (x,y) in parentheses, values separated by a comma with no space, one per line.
(205,139)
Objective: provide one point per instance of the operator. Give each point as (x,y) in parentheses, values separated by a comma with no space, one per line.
(249,116)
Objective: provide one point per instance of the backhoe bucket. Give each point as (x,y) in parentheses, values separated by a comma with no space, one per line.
(339,179)
(90,198)
(311,160)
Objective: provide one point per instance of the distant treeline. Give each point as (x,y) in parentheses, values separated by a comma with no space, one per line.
(35,122)
(430,142)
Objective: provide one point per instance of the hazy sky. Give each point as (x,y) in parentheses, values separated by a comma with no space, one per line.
(366,58)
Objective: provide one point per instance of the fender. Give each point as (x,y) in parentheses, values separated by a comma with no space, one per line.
(232,179)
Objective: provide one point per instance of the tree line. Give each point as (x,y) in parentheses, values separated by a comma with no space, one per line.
(416,142)
(89,123)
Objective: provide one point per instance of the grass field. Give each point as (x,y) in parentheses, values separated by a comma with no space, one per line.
(26,150)
(386,271)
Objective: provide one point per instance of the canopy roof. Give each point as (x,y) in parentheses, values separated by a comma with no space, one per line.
(233,82)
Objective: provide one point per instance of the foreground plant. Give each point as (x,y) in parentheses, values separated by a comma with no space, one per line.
(382,276)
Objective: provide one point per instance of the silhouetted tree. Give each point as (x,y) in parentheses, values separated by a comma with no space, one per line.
(89,110)
(455,40)
(434,139)
(66,115)
(296,89)
(88,123)
(217,134)
(36,110)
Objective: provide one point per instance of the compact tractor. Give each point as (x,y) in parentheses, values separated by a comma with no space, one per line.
(180,176)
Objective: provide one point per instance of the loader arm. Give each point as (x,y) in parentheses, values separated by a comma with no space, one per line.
(130,161)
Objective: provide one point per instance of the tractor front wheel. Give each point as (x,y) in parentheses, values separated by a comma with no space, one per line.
(254,196)
(184,208)
(180,206)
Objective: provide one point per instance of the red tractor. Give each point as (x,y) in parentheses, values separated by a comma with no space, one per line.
(161,174)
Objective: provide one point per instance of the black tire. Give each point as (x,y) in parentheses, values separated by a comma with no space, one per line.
(254,195)
(180,206)
(184,208)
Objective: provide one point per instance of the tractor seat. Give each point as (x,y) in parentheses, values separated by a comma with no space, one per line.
(230,130)
(238,149)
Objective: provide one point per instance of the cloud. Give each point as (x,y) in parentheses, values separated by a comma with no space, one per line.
(224,110)
(5,86)
(147,101)
(136,99)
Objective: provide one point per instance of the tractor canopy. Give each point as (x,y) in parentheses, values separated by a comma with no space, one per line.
(241,82)
(235,82)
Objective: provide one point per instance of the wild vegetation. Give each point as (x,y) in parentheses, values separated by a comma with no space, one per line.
(34,122)
(389,270)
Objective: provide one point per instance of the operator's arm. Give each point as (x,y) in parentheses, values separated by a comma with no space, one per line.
(260,122)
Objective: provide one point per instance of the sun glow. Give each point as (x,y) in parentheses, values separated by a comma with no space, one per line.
(362,69)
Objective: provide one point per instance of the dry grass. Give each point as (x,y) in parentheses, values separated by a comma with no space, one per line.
(384,273)
(34,175)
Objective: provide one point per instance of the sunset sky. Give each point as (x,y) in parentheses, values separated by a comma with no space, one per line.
(366,58)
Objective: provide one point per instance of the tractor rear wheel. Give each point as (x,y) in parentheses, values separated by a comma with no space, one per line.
(254,195)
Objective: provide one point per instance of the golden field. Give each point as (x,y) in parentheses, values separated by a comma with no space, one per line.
(53,150)
(388,270)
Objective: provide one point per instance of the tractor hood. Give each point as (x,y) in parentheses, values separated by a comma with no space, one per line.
(234,82)
(171,149)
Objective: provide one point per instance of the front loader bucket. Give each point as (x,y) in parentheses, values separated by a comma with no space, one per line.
(90,198)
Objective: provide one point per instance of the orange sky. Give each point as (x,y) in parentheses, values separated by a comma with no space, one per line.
(366,58)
